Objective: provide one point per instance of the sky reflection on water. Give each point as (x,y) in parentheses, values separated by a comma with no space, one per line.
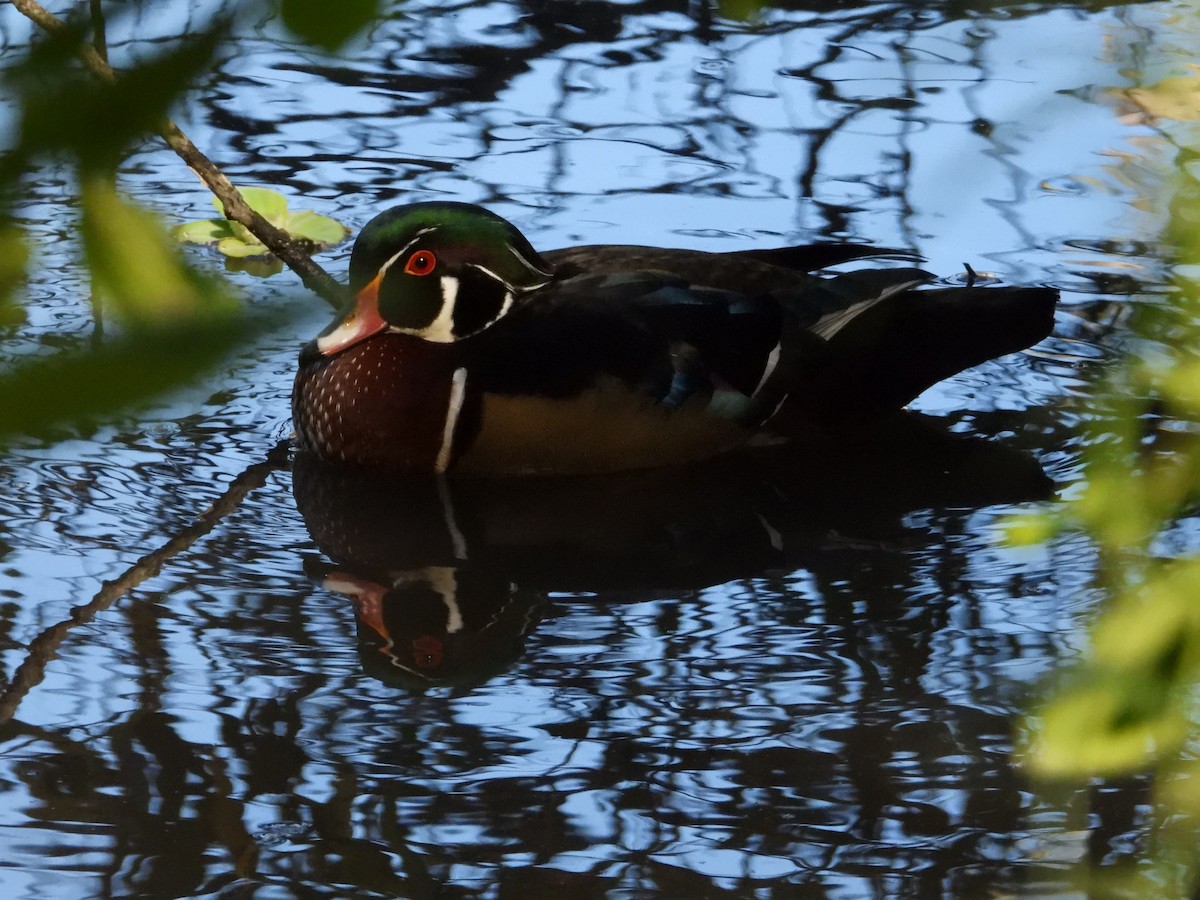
(797,681)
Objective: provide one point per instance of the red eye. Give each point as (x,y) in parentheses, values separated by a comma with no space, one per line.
(427,651)
(420,263)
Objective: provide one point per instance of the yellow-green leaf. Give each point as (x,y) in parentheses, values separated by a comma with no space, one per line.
(1156,631)
(268,203)
(14,256)
(89,384)
(239,249)
(1029,529)
(207,231)
(1175,98)
(1106,725)
(321,230)
(235,240)
(136,268)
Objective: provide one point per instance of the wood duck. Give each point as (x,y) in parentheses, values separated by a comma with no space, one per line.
(465,349)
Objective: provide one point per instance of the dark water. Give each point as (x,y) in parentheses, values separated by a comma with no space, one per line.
(795,676)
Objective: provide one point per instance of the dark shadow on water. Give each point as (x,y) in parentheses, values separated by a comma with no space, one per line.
(448,576)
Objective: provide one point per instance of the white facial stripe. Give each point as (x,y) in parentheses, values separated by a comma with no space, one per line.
(444,581)
(441,329)
(454,616)
(492,275)
(531,267)
(416,237)
(509,297)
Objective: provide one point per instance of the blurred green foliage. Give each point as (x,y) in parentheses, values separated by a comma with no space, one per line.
(14,258)
(326,24)
(136,270)
(169,320)
(1130,703)
(65,109)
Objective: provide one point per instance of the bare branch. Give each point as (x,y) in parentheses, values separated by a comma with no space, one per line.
(44,647)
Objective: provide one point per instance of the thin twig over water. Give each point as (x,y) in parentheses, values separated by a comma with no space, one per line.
(44,647)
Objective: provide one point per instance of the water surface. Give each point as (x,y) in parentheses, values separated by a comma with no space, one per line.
(794,678)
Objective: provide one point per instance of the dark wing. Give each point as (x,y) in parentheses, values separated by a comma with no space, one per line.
(739,334)
(814,257)
(719,268)
(664,338)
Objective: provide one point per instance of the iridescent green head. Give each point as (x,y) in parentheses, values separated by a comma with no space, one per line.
(438,271)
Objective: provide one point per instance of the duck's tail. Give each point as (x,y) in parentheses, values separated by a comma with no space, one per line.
(896,349)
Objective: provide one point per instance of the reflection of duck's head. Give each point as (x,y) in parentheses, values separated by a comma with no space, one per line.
(448,575)
(437,625)
(467,350)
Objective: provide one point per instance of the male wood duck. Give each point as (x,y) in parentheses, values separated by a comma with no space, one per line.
(465,349)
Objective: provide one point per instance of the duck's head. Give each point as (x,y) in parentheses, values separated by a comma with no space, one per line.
(439,271)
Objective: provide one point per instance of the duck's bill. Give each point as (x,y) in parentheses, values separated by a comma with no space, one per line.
(362,321)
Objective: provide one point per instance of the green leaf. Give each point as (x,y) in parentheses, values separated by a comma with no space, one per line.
(240,249)
(740,10)
(268,203)
(242,233)
(136,269)
(1155,631)
(325,24)
(1170,98)
(207,231)
(1105,726)
(321,230)
(258,266)
(1029,529)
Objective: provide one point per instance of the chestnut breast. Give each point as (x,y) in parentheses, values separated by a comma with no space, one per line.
(383,403)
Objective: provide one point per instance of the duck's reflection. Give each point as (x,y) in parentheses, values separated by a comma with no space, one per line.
(448,576)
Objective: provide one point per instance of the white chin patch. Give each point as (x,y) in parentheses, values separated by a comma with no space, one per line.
(441,329)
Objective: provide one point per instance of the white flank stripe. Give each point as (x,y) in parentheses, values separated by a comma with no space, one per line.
(772,362)
(458,390)
(456,535)
(831,324)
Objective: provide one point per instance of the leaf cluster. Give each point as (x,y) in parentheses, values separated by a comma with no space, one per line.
(234,239)
(1130,704)
(171,320)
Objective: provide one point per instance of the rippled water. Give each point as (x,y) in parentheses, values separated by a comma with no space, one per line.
(797,678)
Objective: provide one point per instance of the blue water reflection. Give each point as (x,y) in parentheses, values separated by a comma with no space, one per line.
(790,679)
